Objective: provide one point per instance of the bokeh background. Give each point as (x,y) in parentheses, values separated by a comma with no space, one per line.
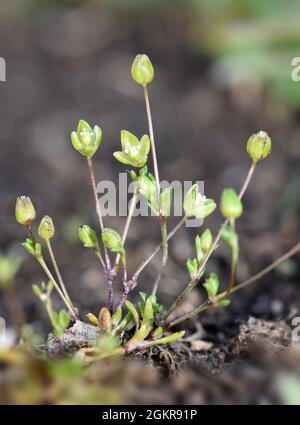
(222,71)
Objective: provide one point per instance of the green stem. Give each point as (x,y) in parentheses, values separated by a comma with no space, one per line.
(203,307)
(49,309)
(128,222)
(151,135)
(234,261)
(57,271)
(193,282)
(60,293)
(164,233)
(158,248)
(98,255)
(98,208)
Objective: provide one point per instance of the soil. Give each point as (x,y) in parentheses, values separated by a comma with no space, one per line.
(231,356)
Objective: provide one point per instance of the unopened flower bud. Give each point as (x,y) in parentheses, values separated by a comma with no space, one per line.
(212,285)
(86,140)
(200,253)
(231,205)
(166,201)
(148,189)
(112,240)
(37,291)
(142,70)
(206,240)
(25,212)
(259,146)
(192,267)
(88,237)
(46,228)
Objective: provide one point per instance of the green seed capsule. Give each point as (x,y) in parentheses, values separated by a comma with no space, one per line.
(46,228)
(142,70)
(112,239)
(259,146)
(88,237)
(231,205)
(206,240)
(25,212)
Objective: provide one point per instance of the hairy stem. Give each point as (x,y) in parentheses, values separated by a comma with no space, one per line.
(158,248)
(256,277)
(164,245)
(193,282)
(57,271)
(163,223)
(234,262)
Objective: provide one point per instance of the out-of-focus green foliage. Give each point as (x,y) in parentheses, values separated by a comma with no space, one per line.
(32,379)
(288,387)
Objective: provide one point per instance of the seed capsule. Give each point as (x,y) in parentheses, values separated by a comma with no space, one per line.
(142,70)
(231,205)
(25,212)
(46,228)
(259,146)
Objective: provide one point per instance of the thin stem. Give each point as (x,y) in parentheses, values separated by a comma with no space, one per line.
(57,271)
(98,255)
(164,245)
(247,180)
(98,208)
(128,222)
(269,268)
(124,265)
(162,220)
(30,233)
(151,135)
(48,306)
(256,277)
(193,282)
(157,249)
(110,296)
(62,296)
(94,189)
(234,261)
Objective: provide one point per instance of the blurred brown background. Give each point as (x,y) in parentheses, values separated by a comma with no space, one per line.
(223,71)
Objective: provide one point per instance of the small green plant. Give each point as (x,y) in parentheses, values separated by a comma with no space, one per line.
(137,327)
